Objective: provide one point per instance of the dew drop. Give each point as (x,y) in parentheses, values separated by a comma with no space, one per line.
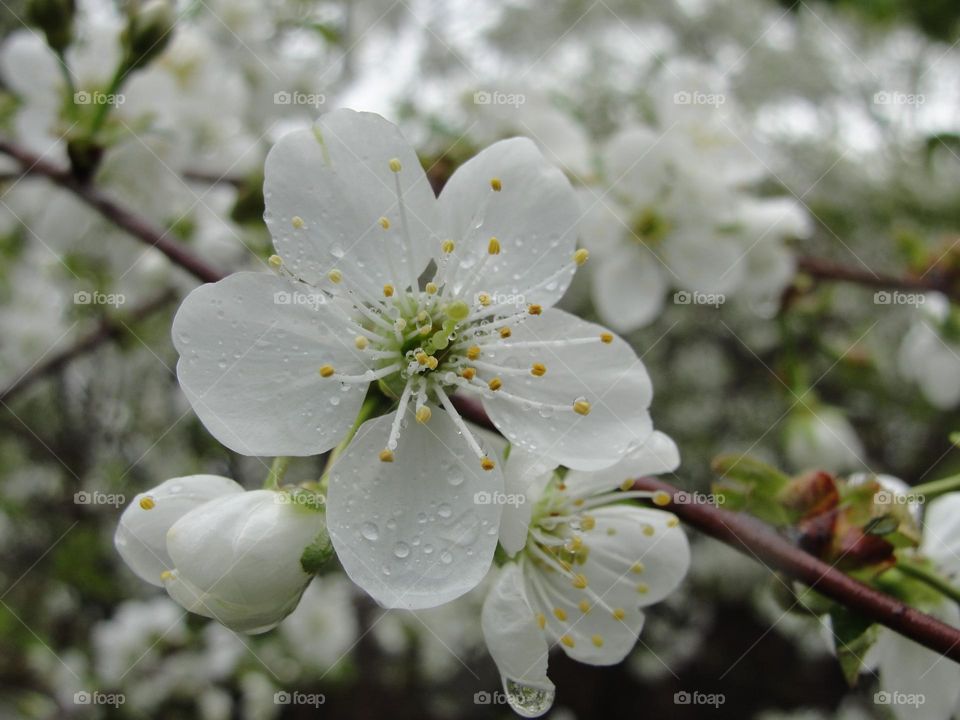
(401,550)
(444,510)
(370,531)
(445,557)
(528,701)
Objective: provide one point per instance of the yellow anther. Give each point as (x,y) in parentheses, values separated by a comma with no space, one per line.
(395,165)
(643,588)
(538,369)
(581,256)
(661,498)
(473,352)
(493,247)
(275,261)
(588,522)
(534,309)
(386,455)
(447,246)
(360,342)
(576,542)
(388,290)
(297,222)
(541,620)
(619,614)
(673,522)
(495,384)
(147,503)
(578,502)
(567,640)
(560,614)
(432,362)
(487,464)
(584,606)
(496,185)
(431,288)
(421,357)
(626,484)
(326,371)
(166,575)
(580,581)
(335,276)
(597,640)
(384,223)
(468,373)
(648,530)
(581,407)
(638,567)
(505,332)
(423,414)
(483,299)
(606,338)
(561,486)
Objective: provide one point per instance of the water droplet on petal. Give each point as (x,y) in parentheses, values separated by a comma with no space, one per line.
(370,531)
(401,550)
(444,510)
(528,701)
(446,557)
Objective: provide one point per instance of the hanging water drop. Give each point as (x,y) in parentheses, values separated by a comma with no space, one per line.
(526,700)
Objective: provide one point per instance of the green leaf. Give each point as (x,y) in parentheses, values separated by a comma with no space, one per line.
(317,554)
(853,637)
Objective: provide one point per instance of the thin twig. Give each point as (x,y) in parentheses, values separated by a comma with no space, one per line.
(822,269)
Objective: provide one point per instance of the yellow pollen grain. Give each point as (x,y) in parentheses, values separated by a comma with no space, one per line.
(505,332)
(493,247)
(643,588)
(360,342)
(275,261)
(424,414)
(468,373)
(638,567)
(534,309)
(576,542)
(541,620)
(560,614)
(447,246)
(672,522)
(619,614)
(495,384)
(147,503)
(567,640)
(578,502)
(388,290)
(386,455)
(431,288)
(384,223)
(473,352)
(597,640)
(395,165)
(166,575)
(297,222)
(606,338)
(581,407)
(561,486)
(584,606)
(580,581)
(588,522)
(483,299)
(421,357)
(496,185)
(538,369)
(335,276)
(648,530)
(326,371)
(626,484)
(432,362)
(661,498)
(487,464)
(581,256)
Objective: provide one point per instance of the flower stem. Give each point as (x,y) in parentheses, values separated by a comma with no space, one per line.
(935,488)
(104,107)
(277,470)
(924,573)
(374,402)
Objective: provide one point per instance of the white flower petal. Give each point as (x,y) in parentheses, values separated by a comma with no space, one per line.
(516,644)
(411,532)
(706,262)
(141,537)
(941,534)
(629,288)
(249,364)
(609,376)
(525,475)
(534,217)
(326,189)
(656,455)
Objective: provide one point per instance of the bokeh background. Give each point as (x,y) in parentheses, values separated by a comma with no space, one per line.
(846,111)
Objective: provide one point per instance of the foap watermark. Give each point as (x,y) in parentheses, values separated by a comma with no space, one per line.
(299,298)
(485,497)
(895,297)
(892,97)
(95,497)
(95,697)
(304,498)
(685,697)
(95,297)
(685,297)
(517,300)
(697,498)
(296,97)
(496,697)
(895,697)
(83,97)
(696,97)
(495,97)
(885,497)
(283,697)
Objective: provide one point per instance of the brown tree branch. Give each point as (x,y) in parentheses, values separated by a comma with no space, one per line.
(822,269)
(122,217)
